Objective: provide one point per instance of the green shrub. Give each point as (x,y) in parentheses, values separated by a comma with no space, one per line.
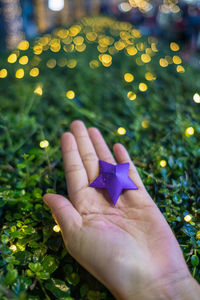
(34,109)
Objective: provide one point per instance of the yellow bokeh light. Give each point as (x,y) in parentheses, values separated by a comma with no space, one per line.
(149,76)
(145,58)
(12,58)
(70,94)
(121,131)
(128,77)
(163,62)
(51,63)
(23,60)
(34,72)
(94,64)
(37,49)
(13,248)
(174,46)
(106,59)
(163,163)
(188,218)
(198,235)
(131,50)
(80,48)
(177,60)
(143,87)
(78,40)
(19,73)
(56,228)
(3,73)
(145,124)
(23,45)
(91,36)
(44,144)
(180,69)
(119,45)
(38,90)
(131,95)
(196,98)
(189,131)
(72,63)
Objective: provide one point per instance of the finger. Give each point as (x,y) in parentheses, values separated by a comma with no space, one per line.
(86,149)
(122,156)
(100,146)
(75,172)
(65,214)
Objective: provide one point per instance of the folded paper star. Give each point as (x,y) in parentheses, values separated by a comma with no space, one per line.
(114,178)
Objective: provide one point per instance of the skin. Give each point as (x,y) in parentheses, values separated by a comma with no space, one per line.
(129,247)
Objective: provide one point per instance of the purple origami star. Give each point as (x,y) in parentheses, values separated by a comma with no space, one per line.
(114,178)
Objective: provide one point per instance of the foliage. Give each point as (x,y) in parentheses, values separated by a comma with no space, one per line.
(34,262)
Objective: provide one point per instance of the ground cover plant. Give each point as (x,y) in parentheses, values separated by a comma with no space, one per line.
(137,91)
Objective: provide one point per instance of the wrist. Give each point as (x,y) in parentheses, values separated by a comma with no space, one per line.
(171,288)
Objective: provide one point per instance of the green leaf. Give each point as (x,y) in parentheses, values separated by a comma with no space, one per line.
(11,277)
(194,260)
(50,264)
(35,267)
(57,287)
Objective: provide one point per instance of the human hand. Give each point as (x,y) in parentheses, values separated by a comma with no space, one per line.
(129,247)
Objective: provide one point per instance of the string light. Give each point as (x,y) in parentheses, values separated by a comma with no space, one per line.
(12,58)
(23,45)
(143,87)
(56,228)
(145,58)
(23,60)
(70,94)
(196,98)
(38,90)
(145,124)
(163,62)
(177,60)
(180,69)
(34,72)
(131,50)
(131,95)
(174,46)
(19,73)
(189,131)
(121,131)
(128,77)
(188,218)
(163,163)
(3,73)
(44,144)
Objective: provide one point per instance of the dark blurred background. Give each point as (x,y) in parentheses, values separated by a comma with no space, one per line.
(177,20)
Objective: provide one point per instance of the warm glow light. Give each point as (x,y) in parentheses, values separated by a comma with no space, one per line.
(124,7)
(180,69)
(44,144)
(38,90)
(56,5)
(12,58)
(177,60)
(13,248)
(174,46)
(70,94)
(188,218)
(3,73)
(145,58)
(23,60)
(163,163)
(131,50)
(163,62)
(34,72)
(189,131)
(198,235)
(131,95)
(121,131)
(196,98)
(106,60)
(56,228)
(145,124)
(150,77)
(51,63)
(143,87)
(128,77)
(19,73)
(23,45)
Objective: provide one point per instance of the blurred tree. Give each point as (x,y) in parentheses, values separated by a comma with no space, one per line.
(11,22)
(41,15)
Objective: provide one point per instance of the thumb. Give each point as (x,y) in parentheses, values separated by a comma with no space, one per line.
(64,212)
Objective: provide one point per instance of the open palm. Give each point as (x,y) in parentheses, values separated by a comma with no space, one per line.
(129,247)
